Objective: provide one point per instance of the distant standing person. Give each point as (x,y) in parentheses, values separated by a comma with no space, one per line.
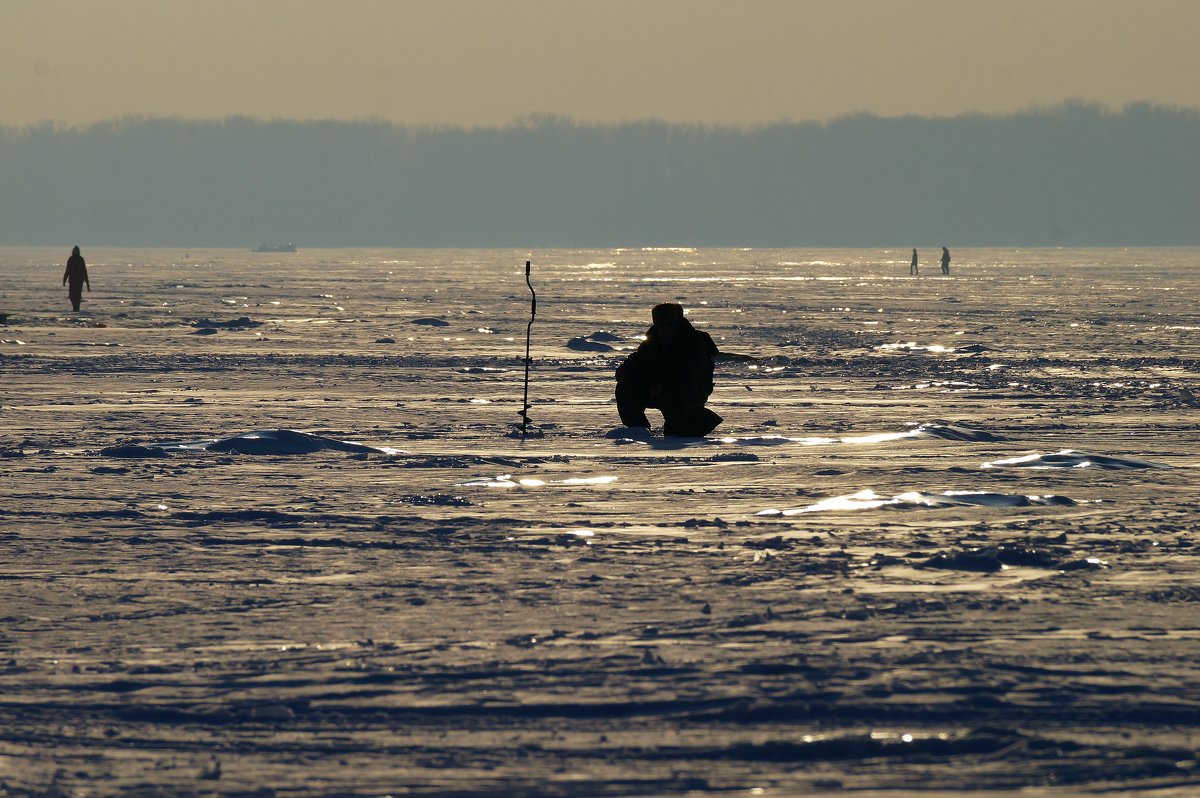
(77,275)
(945,261)
(912,270)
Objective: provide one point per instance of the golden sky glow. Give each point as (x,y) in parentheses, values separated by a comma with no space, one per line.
(489,62)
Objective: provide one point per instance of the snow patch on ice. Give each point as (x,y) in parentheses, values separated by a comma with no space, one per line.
(273,442)
(934,349)
(584,345)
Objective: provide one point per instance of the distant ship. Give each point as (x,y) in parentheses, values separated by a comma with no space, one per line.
(274,248)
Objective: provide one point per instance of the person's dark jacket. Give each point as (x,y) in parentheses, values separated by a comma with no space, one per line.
(76,272)
(672,374)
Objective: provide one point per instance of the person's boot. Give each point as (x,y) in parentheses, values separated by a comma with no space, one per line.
(694,423)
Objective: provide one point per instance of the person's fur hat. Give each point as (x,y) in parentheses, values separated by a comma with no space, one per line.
(667,313)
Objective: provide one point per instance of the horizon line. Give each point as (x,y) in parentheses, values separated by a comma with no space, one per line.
(541,119)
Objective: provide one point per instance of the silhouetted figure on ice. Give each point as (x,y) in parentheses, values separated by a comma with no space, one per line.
(672,371)
(77,275)
(945,261)
(913,270)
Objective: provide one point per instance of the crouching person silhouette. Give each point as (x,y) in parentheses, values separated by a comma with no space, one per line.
(671,371)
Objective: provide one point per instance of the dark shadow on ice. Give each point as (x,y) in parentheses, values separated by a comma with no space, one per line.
(991,559)
(870,500)
(273,442)
(631,435)
(285,441)
(950,432)
(530,432)
(1069,458)
(243,323)
(133,451)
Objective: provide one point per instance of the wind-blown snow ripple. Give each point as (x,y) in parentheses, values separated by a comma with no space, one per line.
(1069,458)
(870,500)
(273,442)
(508,481)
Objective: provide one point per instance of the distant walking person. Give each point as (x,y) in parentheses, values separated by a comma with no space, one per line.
(913,270)
(77,275)
(945,261)
(672,370)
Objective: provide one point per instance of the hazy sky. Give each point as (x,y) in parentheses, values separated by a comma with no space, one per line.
(488,62)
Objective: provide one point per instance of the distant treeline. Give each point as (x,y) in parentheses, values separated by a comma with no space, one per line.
(1071,175)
